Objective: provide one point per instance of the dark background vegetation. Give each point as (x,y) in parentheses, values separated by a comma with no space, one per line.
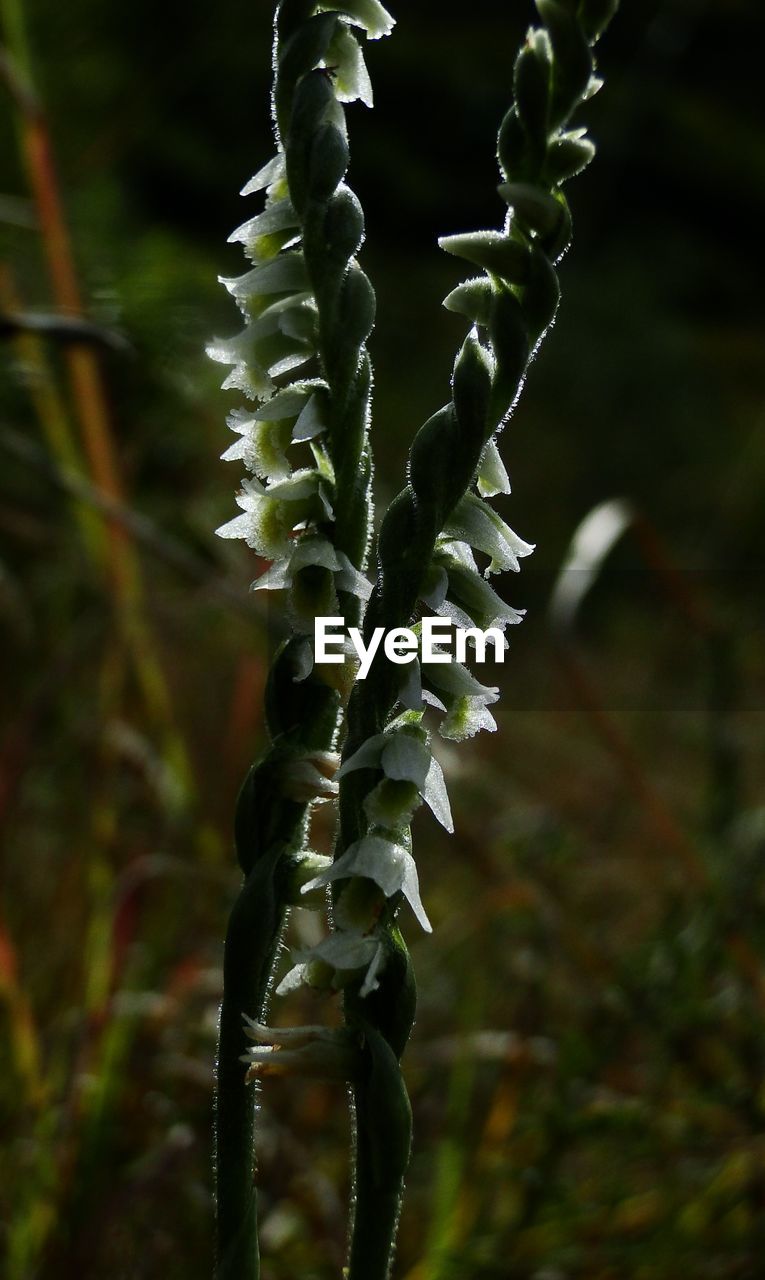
(587,1066)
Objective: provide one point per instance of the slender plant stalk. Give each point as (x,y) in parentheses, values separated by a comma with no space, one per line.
(306,299)
(426,537)
(306,302)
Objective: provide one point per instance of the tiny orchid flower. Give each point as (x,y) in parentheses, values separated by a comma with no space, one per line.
(385,861)
(271,514)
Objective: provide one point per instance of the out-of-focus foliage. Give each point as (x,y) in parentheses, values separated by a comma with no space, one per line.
(587,1066)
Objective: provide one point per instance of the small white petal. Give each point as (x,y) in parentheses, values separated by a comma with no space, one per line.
(352,80)
(435,796)
(343,950)
(431,700)
(265,177)
(473,521)
(371,981)
(310,422)
(285,404)
(302,484)
(367,756)
(479,599)
(292,980)
(389,865)
(251,381)
(492,476)
(411,891)
(406,758)
(455,680)
(466,717)
(314,550)
(276,578)
(275,217)
(239,527)
(283,274)
(262,1034)
(351,579)
(368,14)
(235,451)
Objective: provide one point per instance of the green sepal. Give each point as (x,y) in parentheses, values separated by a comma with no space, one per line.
(567,156)
(512,146)
(473,299)
(492,250)
(392,1006)
(392,803)
(261,248)
(295,702)
(298,55)
(471,391)
(252,836)
(352,323)
(343,230)
(328,161)
(542,295)
(572,59)
(312,594)
(536,209)
(432,470)
(389,1113)
(531,85)
(316,148)
(400,527)
(511,343)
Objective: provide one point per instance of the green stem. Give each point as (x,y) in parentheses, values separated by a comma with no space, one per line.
(511,311)
(269,827)
(253,932)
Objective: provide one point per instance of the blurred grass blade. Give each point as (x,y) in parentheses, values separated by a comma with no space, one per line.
(590,546)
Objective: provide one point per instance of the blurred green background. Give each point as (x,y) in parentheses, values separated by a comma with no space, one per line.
(587,1065)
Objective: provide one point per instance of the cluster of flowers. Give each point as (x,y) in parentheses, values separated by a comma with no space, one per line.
(287,517)
(287,514)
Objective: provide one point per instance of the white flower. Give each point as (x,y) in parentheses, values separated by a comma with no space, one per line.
(466,717)
(314,550)
(403,755)
(468,593)
(311,777)
(473,521)
(344,951)
(273,172)
(464,699)
(262,445)
(383,860)
(271,514)
(282,337)
(285,273)
(492,476)
(300,1051)
(352,81)
(257,234)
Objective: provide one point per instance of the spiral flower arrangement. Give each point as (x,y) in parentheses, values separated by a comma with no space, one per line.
(309,309)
